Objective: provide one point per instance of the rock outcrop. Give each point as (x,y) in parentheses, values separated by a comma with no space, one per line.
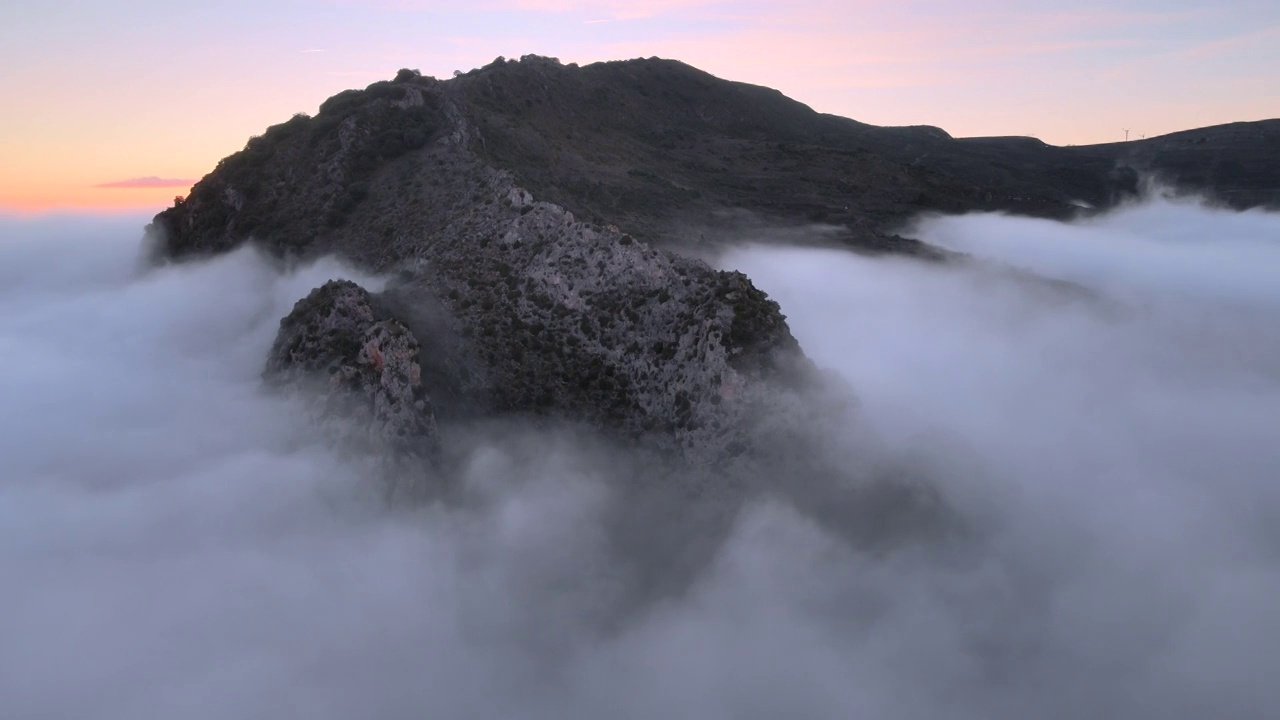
(529,310)
(359,370)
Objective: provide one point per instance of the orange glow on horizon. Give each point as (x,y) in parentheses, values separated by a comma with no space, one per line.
(90,199)
(72,206)
(171,97)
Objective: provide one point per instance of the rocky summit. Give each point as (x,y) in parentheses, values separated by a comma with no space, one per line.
(539,225)
(360,369)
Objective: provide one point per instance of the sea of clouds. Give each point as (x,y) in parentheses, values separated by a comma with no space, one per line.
(1099,401)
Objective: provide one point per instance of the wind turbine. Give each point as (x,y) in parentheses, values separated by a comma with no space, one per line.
(1126,134)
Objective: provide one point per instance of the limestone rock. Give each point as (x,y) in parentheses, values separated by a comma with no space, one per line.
(360,371)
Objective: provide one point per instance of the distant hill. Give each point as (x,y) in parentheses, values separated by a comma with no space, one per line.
(656,145)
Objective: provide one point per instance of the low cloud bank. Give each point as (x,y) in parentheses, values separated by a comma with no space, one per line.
(175,542)
(1113,433)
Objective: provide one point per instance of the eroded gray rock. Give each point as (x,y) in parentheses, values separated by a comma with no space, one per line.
(570,320)
(360,371)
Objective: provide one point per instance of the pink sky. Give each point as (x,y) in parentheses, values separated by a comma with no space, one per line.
(122,104)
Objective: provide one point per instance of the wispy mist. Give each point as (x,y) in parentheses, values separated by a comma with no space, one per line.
(174,542)
(1114,436)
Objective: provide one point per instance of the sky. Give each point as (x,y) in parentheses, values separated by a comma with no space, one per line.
(123,105)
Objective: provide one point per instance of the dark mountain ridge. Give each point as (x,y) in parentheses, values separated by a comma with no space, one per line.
(654,146)
(528,214)
(651,145)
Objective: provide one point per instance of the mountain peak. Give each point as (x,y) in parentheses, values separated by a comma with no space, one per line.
(543,224)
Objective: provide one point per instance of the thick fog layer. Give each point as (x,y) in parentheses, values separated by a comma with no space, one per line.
(175,543)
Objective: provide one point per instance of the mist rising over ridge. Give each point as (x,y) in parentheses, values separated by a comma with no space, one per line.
(543,225)
(175,541)
(1032,478)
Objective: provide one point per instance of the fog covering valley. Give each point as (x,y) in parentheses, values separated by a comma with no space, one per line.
(1098,401)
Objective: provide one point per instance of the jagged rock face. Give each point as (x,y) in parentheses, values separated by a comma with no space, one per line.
(361,373)
(570,320)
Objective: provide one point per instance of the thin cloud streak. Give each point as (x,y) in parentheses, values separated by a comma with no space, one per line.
(1226,45)
(1202,51)
(147,182)
(619,9)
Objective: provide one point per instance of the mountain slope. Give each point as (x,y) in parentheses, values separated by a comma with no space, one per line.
(656,146)
(527,212)
(665,151)
(519,308)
